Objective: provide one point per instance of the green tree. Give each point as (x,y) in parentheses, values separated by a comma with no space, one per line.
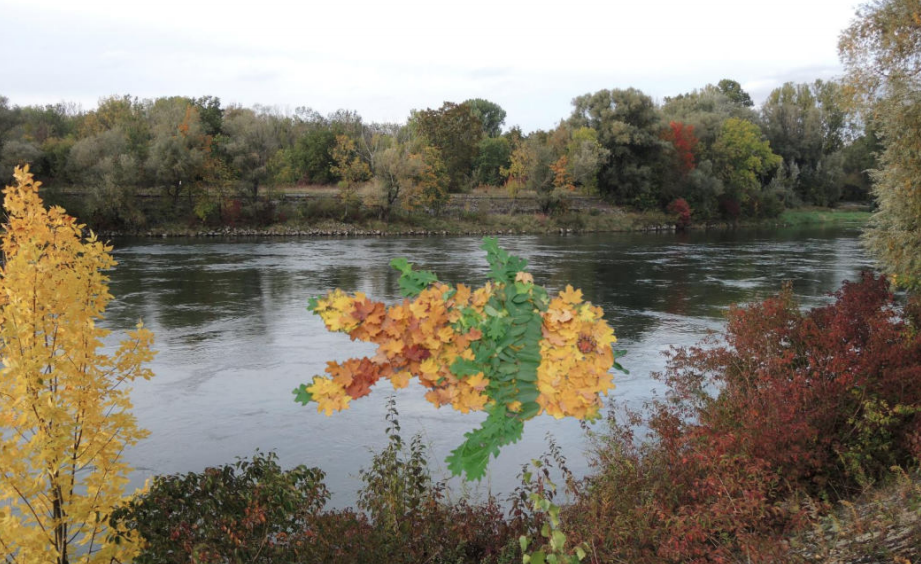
(805,124)
(494,154)
(249,141)
(456,131)
(733,91)
(180,150)
(210,113)
(104,165)
(64,406)
(125,112)
(311,157)
(628,124)
(8,120)
(490,114)
(880,51)
(18,152)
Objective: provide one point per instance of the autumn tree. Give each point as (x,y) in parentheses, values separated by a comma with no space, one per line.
(684,141)
(398,171)
(743,161)
(585,155)
(706,109)
(880,51)
(349,166)
(427,188)
(516,173)
(64,406)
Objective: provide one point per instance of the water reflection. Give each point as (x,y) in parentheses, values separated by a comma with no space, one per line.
(234,336)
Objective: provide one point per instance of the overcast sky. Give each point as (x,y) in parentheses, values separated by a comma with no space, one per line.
(384,58)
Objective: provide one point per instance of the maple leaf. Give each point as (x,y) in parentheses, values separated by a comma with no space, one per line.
(559,316)
(391,348)
(524,277)
(416,353)
(400,379)
(571,296)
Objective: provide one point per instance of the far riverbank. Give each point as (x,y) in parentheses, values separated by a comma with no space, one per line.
(592,220)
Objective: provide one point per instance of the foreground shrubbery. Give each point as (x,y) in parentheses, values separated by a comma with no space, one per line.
(793,410)
(757,436)
(254,511)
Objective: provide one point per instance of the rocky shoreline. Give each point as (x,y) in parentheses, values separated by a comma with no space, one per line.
(355,232)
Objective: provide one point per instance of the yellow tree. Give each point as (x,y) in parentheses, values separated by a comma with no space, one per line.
(350,168)
(516,174)
(64,407)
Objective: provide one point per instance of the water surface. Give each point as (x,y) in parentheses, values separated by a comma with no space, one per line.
(234,337)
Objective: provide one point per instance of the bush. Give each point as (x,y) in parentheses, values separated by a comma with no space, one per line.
(792,405)
(253,511)
(412,522)
(681,213)
(249,511)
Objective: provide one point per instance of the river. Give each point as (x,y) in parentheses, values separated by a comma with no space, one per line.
(234,337)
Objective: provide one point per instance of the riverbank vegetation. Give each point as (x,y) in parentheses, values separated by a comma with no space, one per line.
(131,164)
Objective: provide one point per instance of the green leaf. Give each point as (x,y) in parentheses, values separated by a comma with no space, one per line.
(497,430)
(528,410)
(528,394)
(402,265)
(313,304)
(301,395)
(557,541)
(464,367)
(412,282)
(617,366)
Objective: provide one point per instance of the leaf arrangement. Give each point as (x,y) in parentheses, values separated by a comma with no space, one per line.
(505,348)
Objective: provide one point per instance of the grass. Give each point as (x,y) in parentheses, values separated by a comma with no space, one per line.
(824,216)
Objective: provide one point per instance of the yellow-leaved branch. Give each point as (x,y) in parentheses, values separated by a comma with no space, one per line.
(64,406)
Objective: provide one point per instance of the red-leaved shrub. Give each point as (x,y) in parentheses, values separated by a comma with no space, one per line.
(681,212)
(789,407)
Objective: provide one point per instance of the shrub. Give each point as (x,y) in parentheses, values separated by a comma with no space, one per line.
(789,405)
(681,213)
(248,511)
(410,519)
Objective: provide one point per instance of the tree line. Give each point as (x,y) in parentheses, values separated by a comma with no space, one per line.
(709,147)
